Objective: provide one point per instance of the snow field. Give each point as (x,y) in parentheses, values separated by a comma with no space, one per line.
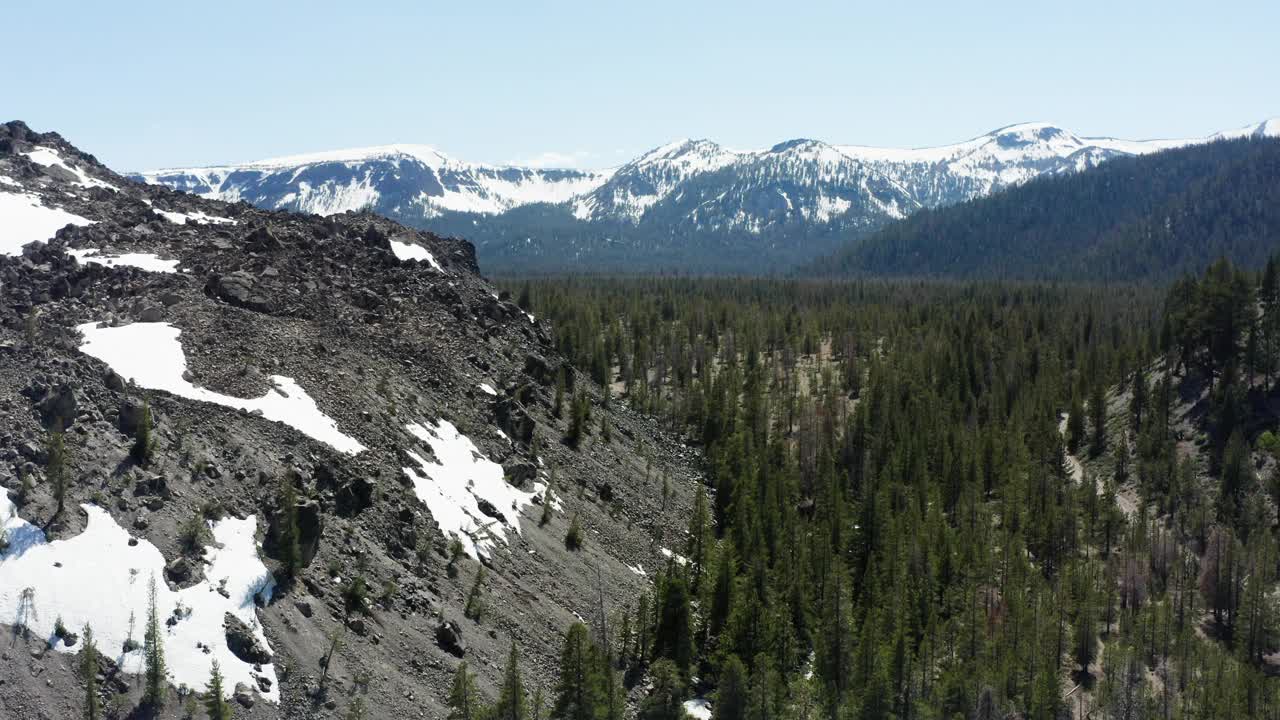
(151,355)
(99,578)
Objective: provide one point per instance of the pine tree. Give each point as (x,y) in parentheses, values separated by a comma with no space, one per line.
(548,500)
(287,533)
(464,699)
(1075,424)
(580,412)
(89,671)
(1097,420)
(558,407)
(215,701)
(573,538)
(666,700)
(578,689)
(511,704)
(153,653)
(474,609)
(672,638)
(731,691)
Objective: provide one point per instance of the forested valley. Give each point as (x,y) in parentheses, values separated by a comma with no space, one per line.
(931,500)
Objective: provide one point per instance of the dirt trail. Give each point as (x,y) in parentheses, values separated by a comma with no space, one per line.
(1126,498)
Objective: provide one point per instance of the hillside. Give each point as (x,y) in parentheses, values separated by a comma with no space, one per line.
(336,453)
(1141,218)
(688,206)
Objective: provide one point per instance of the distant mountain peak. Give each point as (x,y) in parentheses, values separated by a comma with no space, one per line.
(685,193)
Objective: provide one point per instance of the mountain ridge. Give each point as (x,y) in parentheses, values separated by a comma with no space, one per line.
(692,202)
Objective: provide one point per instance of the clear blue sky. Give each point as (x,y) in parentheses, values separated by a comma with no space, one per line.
(147,84)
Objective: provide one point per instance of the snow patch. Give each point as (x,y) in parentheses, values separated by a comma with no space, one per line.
(458,482)
(23,219)
(145,261)
(680,559)
(698,708)
(48,157)
(413,251)
(151,355)
(487,388)
(199,217)
(97,578)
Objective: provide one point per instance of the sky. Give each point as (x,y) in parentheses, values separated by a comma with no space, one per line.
(592,84)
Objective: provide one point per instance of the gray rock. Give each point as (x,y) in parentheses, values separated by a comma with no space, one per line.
(449,638)
(242,643)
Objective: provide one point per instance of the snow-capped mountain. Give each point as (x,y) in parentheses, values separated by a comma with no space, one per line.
(413,181)
(684,199)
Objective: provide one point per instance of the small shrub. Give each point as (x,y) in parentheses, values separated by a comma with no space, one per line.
(194,534)
(474,609)
(573,538)
(355,596)
(1268,442)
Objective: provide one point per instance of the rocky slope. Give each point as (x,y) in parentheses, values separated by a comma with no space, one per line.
(691,204)
(367,366)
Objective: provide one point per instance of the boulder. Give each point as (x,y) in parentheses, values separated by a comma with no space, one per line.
(536,367)
(242,643)
(376,238)
(514,420)
(59,406)
(150,312)
(354,495)
(130,415)
(310,528)
(178,571)
(520,473)
(240,288)
(449,638)
(243,695)
(262,240)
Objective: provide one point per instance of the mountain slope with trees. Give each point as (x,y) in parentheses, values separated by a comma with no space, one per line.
(901,523)
(1141,218)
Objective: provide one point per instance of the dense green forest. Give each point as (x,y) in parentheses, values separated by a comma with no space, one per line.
(940,500)
(1151,217)
(664,244)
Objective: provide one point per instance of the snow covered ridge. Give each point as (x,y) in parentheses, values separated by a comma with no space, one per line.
(827,181)
(150,355)
(101,578)
(50,158)
(467,493)
(398,180)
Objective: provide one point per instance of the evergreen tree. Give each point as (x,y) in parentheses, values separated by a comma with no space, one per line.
(1075,424)
(731,691)
(464,698)
(511,704)
(89,672)
(672,637)
(578,690)
(573,538)
(215,701)
(666,700)
(474,609)
(1097,420)
(155,671)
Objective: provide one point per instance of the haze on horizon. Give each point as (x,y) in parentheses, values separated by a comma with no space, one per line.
(578,84)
